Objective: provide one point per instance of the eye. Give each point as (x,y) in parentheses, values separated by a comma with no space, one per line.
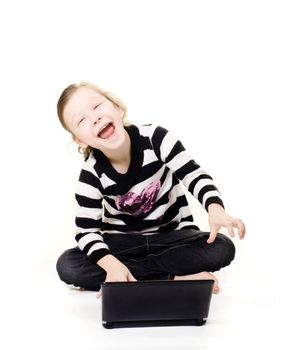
(81,120)
(96,106)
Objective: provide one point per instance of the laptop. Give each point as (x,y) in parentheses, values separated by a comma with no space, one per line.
(156,303)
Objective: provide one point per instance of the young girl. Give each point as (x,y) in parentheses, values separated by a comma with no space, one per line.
(133,219)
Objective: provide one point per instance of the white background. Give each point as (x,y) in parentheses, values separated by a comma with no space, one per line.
(212,72)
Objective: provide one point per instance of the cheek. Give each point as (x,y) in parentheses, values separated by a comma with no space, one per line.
(79,135)
(119,115)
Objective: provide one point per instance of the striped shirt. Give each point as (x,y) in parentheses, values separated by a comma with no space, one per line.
(148,199)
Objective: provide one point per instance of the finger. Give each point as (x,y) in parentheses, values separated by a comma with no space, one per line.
(99,294)
(212,235)
(231,231)
(241,229)
(131,278)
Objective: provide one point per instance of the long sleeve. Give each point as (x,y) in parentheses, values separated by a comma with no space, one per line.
(195,179)
(89,214)
(148,199)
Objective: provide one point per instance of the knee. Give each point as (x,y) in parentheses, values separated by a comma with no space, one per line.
(228,249)
(65,269)
(74,268)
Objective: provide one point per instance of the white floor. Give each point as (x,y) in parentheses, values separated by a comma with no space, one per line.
(225,64)
(38,311)
(47,314)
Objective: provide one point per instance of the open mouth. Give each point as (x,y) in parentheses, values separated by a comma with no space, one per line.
(106,131)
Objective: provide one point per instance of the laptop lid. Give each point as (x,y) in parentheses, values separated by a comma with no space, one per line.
(155,303)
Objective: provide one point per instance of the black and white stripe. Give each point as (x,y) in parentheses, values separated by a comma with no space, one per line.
(156,156)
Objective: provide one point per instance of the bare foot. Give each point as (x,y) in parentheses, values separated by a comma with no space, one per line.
(201,276)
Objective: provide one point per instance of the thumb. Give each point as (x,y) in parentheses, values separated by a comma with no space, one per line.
(99,294)
(213,233)
(131,278)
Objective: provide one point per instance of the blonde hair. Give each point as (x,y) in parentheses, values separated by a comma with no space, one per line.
(67,94)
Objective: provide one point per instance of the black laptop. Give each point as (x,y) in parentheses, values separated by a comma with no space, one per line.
(156,303)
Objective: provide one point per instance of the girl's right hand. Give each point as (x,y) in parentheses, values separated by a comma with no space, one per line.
(117,273)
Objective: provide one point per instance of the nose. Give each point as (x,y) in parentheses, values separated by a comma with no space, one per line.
(96,120)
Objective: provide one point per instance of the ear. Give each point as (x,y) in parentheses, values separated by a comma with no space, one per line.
(79,142)
(121,111)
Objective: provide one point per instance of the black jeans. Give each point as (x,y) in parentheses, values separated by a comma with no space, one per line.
(150,257)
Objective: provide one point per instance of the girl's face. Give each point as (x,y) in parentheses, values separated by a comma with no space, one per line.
(94,120)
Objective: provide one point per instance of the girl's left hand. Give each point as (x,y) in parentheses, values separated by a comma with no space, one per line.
(218,218)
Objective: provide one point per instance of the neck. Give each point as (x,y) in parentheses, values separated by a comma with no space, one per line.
(122,155)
